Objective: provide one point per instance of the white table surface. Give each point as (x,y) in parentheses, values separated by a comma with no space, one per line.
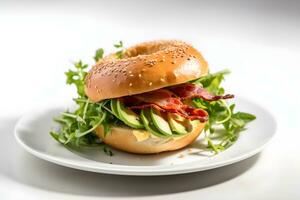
(258,40)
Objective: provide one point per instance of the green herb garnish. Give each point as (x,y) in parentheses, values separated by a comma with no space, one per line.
(99,55)
(120,52)
(77,127)
(222,116)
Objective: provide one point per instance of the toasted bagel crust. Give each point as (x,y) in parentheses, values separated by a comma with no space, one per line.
(145,67)
(124,139)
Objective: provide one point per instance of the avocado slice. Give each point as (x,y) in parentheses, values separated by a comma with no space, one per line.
(126,115)
(149,126)
(113,106)
(160,123)
(195,123)
(179,127)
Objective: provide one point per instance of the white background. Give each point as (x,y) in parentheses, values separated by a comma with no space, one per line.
(258,40)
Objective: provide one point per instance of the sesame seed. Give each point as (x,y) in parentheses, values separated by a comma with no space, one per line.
(150,63)
(140,75)
(150,83)
(131,75)
(162,79)
(130,84)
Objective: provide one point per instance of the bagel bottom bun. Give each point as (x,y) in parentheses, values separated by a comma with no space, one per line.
(124,139)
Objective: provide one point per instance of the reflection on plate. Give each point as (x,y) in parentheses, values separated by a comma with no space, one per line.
(32,133)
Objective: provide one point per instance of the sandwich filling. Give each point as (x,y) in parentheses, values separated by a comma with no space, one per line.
(175,100)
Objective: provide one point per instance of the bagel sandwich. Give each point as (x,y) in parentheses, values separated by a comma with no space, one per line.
(149,98)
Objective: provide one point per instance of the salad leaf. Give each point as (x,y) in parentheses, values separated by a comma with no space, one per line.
(77,127)
(99,54)
(119,45)
(220,114)
(77,77)
(212,82)
(120,52)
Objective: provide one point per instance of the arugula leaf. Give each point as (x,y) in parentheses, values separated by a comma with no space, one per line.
(247,117)
(93,123)
(77,77)
(77,127)
(212,82)
(55,135)
(99,54)
(220,113)
(119,53)
(119,45)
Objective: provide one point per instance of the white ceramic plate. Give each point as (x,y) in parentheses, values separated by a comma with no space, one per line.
(32,133)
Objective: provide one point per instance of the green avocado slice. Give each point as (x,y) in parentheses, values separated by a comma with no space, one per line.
(126,115)
(194,123)
(113,106)
(177,126)
(149,126)
(180,125)
(160,123)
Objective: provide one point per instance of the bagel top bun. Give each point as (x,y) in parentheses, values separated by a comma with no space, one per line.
(144,67)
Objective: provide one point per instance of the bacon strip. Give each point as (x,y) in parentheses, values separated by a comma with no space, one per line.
(170,100)
(165,101)
(186,111)
(189,90)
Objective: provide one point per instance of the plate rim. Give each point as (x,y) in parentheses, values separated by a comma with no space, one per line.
(146,170)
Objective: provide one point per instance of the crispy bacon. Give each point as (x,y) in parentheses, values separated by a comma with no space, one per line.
(170,100)
(165,101)
(189,90)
